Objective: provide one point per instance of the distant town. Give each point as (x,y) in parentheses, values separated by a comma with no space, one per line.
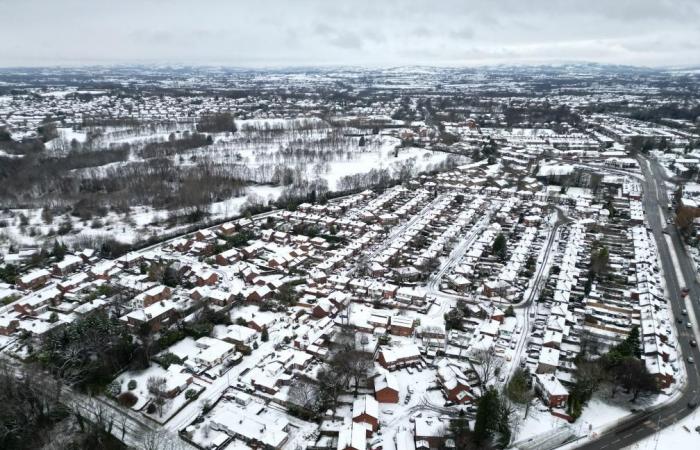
(326,259)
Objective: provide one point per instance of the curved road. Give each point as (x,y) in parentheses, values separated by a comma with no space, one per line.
(644,424)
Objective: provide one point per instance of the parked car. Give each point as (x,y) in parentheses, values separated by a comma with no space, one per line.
(693,343)
(691,360)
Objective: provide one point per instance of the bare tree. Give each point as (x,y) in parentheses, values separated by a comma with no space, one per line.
(156,387)
(352,366)
(486,364)
(303,393)
(29,403)
(160,440)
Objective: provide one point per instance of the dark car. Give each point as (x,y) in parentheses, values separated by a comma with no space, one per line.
(693,404)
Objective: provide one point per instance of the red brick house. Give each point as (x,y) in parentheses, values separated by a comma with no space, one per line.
(551,391)
(158,315)
(393,358)
(33,280)
(454,384)
(8,325)
(402,326)
(386,388)
(206,278)
(258,294)
(227,229)
(365,409)
(156,294)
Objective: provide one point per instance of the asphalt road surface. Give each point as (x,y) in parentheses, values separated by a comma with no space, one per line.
(644,424)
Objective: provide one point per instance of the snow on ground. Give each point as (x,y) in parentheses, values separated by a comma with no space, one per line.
(681,435)
(65,136)
(277,123)
(141,377)
(420,159)
(539,422)
(142,221)
(599,413)
(555,170)
(6,291)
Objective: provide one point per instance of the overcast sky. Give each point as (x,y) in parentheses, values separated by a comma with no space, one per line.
(354,32)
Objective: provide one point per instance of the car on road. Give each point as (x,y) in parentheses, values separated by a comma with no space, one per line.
(684,291)
(684,312)
(693,404)
(691,360)
(693,343)
(679,320)
(689,325)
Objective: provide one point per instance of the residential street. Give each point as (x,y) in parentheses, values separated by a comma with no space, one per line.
(646,423)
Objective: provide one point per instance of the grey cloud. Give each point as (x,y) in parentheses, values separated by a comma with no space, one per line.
(346,40)
(373,32)
(422,32)
(462,33)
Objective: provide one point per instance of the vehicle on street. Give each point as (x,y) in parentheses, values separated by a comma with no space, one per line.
(691,360)
(693,343)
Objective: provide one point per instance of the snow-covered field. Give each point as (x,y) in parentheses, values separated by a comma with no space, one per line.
(269,154)
(141,222)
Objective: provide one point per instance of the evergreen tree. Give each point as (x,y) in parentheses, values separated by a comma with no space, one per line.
(486,417)
(499,247)
(460,432)
(58,251)
(631,346)
(599,261)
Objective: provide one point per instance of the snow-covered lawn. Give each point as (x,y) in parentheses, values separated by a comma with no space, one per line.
(600,413)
